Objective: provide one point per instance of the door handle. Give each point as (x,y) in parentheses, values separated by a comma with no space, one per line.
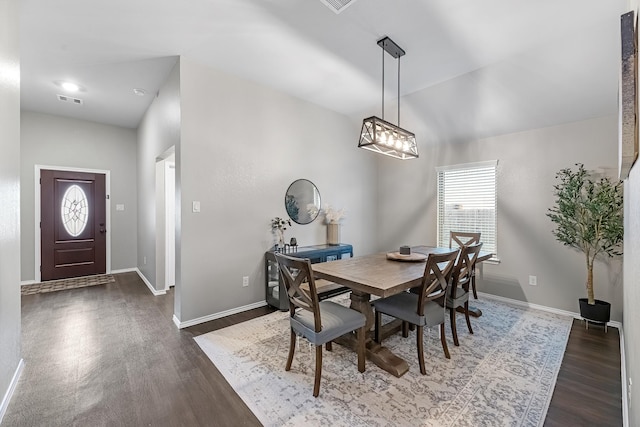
(102,230)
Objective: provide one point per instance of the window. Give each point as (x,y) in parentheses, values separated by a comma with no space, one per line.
(74,210)
(467,202)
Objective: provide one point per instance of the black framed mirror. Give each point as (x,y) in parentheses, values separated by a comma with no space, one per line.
(302,201)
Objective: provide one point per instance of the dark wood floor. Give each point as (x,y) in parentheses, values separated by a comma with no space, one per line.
(110,355)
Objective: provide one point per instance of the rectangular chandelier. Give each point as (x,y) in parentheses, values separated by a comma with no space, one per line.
(377,134)
(386,138)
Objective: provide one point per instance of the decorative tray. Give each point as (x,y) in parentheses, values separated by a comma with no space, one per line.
(412,257)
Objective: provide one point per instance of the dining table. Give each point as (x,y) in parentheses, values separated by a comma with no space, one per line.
(377,275)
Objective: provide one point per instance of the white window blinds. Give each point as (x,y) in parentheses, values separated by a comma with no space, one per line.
(467,202)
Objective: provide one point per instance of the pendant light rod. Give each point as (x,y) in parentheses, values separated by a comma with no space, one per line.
(398,91)
(396,51)
(382,83)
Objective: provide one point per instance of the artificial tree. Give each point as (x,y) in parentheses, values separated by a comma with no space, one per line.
(588,214)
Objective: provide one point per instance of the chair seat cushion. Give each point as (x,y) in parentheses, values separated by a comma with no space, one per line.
(404,306)
(336,319)
(462,296)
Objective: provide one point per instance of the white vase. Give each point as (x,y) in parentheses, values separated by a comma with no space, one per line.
(333,233)
(279,238)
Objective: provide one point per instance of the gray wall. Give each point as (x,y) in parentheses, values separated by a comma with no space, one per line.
(59,141)
(631,318)
(242,144)
(159,130)
(10,196)
(527,163)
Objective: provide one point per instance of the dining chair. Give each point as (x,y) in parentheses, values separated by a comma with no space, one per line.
(458,291)
(462,239)
(320,322)
(425,307)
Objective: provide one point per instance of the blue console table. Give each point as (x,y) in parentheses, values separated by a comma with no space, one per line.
(276,295)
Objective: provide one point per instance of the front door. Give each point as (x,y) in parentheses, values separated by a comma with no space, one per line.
(73,224)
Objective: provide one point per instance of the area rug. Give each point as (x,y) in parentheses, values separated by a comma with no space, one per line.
(62,284)
(502,375)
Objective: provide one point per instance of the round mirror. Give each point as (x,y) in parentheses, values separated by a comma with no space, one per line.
(302,201)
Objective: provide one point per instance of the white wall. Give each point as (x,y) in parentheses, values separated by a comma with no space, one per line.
(60,141)
(242,144)
(10,196)
(527,163)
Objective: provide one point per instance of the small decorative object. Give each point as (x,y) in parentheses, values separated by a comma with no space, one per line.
(588,214)
(332,218)
(405,250)
(278,225)
(293,242)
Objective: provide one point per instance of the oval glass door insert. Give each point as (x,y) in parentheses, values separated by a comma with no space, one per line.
(75,210)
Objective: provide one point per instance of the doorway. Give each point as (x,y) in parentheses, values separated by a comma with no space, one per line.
(165,221)
(72,223)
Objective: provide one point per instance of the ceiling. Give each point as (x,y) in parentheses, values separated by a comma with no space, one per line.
(473,67)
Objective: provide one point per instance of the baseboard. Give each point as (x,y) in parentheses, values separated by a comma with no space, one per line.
(526,304)
(12,388)
(219,315)
(623,374)
(149,285)
(124,270)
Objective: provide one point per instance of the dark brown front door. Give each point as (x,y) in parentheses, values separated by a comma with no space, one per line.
(73,224)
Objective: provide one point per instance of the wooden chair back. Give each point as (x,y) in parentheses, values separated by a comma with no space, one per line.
(437,275)
(463,270)
(296,272)
(462,239)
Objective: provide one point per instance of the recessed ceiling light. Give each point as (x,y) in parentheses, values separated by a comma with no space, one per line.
(139,92)
(71,87)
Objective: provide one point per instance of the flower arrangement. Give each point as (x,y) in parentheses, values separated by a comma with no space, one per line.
(278,223)
(332,215)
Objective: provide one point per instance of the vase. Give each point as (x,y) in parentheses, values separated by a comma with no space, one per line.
(279,239)
(333,233)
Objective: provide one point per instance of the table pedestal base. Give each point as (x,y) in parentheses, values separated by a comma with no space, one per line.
(378,354)
(473,311)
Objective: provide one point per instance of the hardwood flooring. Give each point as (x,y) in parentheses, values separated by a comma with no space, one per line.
(110,355)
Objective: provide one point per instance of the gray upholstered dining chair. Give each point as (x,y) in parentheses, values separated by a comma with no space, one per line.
(462,239)
(425,306)
(461,279)
(320,322)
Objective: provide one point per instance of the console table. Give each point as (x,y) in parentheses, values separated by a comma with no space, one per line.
(276,295)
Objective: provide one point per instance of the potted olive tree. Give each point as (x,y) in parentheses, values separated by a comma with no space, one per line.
(588,217)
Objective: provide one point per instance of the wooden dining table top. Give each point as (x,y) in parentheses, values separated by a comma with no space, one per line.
(376,275)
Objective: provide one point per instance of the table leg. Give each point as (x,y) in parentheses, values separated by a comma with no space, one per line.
(378,354)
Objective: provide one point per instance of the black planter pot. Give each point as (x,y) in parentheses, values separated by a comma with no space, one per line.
(600,312)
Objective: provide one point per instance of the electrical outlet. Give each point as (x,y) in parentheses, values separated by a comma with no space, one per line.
(533,280)
(245,281)
(144,260)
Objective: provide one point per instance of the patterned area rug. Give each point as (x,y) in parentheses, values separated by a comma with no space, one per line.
(503,375)
(62,284)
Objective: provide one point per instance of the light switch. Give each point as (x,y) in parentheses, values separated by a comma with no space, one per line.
(196,206)
(119,207)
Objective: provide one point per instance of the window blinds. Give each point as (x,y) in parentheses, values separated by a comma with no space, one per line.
(467,202)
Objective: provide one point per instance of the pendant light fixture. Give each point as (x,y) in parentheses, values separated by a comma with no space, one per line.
(379,135)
